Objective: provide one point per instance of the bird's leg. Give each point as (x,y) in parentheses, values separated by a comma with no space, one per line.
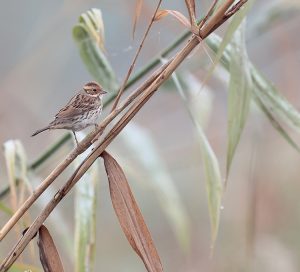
(75,137)
(96,137)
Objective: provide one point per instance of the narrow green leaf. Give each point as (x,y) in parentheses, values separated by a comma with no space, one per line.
(275,101)
(85,215)
(233,26)
(213,182)
(211,165)
(93,21)
(139,142)
(276,124)
(89,36)
(273,104)
(239,96)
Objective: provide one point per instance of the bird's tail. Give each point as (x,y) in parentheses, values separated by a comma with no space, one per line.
(40,130)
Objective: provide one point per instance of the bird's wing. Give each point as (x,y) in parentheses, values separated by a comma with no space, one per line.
(79,104)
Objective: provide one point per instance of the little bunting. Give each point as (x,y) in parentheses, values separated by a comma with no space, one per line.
(80,112)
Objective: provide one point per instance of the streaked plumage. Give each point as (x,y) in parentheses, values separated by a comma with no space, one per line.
(81,111)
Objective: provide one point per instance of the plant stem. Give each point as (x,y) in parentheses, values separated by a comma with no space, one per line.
(123,86)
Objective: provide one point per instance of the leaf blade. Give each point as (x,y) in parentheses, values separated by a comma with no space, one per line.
(234,24)
(129,215)
(89,37)
(239,96)
(174,13)
(261,85)
(49,255)
(212,171)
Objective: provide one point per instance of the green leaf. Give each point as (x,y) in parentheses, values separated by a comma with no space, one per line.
(276,124)
(272,103)
(211,164)
(85,215)
(239,96)
(231,29)
(89,36)
(213,182)
(140,143)
(93,21)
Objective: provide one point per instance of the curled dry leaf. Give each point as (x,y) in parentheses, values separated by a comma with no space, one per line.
(48,253)
(129,215)
(176,14)
(92,20)
(88,33)
(137,13)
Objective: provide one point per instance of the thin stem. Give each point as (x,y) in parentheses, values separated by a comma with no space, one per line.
(215,19)
(209,13)
(135,57)
(234,9)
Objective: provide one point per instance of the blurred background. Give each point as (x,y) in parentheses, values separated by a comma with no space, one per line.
(41,69)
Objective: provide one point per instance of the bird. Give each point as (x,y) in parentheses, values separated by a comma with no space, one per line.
(81,111)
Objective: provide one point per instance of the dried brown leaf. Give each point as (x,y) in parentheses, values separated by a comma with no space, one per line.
(176,14)
(190,4)
(48,253)
(137,13)
(129,215)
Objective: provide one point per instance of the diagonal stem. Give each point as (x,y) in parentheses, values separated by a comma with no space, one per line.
(135,57)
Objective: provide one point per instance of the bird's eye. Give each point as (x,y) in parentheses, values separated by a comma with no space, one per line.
(94,90)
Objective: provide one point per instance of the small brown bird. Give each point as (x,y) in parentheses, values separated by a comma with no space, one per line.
(82,110)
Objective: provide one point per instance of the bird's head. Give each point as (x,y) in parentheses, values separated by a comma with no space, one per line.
(94,89)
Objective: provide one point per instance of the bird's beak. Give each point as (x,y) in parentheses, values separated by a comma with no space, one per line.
(102,91)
